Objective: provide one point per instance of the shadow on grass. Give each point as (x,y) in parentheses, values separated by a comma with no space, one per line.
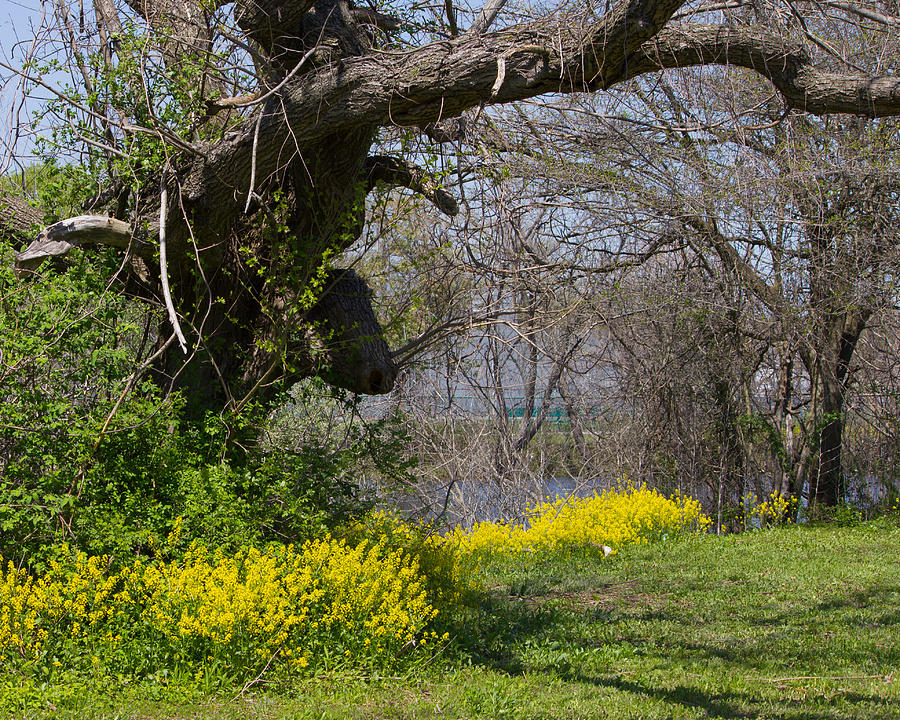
(810,635)
(717,705)
(861,599)
(492,625)
(826,627)
(731,705)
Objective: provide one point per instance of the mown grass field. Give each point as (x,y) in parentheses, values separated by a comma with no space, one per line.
(798,622)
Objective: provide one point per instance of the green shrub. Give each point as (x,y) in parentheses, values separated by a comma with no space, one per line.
(92,457)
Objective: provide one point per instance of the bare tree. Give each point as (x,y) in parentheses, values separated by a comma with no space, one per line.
(491,410)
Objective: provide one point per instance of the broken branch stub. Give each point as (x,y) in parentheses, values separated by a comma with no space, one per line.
(59,238)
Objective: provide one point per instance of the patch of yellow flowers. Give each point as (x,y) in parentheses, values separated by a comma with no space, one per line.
(618,517)
(330,603)
(323,604)
(774,510)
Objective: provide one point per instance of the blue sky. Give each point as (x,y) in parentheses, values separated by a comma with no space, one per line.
(17,21)
(16,11)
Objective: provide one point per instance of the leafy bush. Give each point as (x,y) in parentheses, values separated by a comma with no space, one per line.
(66,347)
(127,495)
(91,456)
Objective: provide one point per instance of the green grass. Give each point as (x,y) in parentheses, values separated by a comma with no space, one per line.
(794,623)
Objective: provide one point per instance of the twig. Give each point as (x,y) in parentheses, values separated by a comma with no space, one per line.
(250,193)
(128,384)
(404,354)
(886,678)
(163,268)
(258,96)
(258,678)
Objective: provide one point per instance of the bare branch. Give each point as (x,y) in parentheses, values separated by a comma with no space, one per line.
(163,264)
(367,16)
(451,17)
(487,16)
(446,131)
(213,106)
(394,171)
(59,238)
(864,12)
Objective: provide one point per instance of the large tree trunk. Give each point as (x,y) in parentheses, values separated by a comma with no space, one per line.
(830,367)
(261,301)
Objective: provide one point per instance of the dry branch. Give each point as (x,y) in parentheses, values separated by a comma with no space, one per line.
(59,238)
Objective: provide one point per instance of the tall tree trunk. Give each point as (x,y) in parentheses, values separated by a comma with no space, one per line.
(827,485)
(787,484)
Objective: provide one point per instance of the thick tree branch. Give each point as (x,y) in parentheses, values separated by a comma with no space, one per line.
(446,78)
(784,62)
(428,84)
(61,237)
(443,79)
(394,171)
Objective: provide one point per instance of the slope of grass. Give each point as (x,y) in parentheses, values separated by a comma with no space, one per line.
(800,622)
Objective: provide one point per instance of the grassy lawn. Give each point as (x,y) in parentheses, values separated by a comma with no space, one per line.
(802,622)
